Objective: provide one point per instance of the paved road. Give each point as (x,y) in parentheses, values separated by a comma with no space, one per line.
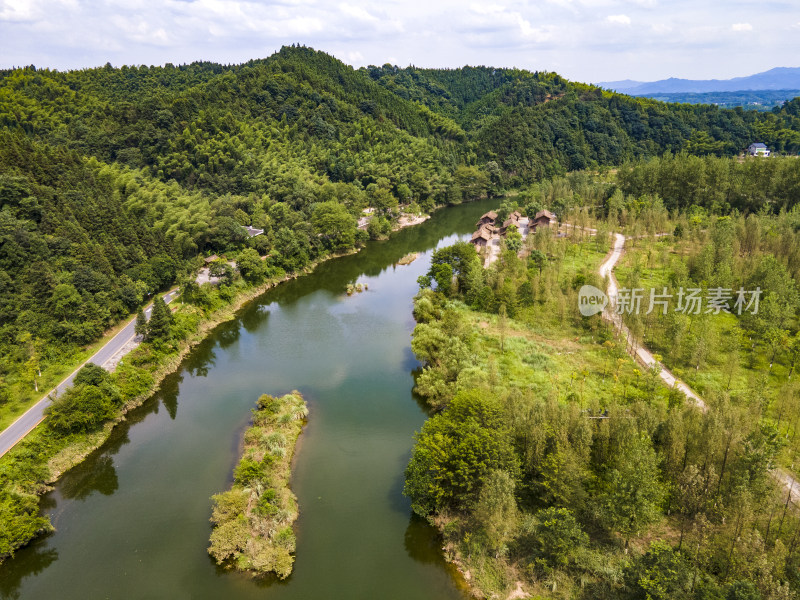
(644,357)
(34,415)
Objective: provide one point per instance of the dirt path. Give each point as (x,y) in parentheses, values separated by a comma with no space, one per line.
(643,356)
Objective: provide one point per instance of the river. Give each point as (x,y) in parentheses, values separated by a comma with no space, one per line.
(132,521)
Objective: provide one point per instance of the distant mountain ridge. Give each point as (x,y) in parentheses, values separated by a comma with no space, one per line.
(779,78)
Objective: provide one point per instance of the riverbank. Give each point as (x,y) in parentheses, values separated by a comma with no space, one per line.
(253,520)
(39,460)
(166,459)
(30,469)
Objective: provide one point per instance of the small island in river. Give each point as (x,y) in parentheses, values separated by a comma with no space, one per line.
(253,520)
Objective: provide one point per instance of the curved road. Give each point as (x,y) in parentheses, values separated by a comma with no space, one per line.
(34,415)
(641,354)
(645,357)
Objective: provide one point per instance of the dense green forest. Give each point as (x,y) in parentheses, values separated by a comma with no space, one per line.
(112,180)
(537,125)
(554,461)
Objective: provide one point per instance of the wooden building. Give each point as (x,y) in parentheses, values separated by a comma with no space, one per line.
(481,237)
(513,219)
(544,218)
(487,219)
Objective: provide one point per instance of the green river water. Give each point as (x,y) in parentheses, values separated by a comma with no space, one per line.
(132,521)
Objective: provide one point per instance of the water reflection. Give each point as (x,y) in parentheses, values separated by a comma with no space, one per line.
(421,544)
(99,476)
(228,333)
(252,320)
(395,498)
(168,393)
(198,362)
(38,558)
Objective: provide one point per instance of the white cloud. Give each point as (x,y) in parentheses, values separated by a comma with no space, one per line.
(495,26)
(486,9)
(641,39)
(357,12)
(355,58)
(619,19)
(139,30)
(19,10)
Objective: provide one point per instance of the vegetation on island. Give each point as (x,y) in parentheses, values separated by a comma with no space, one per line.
(553,461)
(253,520)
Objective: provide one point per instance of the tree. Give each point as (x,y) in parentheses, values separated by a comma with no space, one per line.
(455,452)
(471,181)
(91,374)
(140,328)
(80,409)
(660,574)
(222,270)
(335,224)
(442,274)
(381,199)
(513,239)
(632,490)
(65,301)
(554,537)
(456,261)
(501,325)
(250,265)
(496,510)
(160,321)
(538,258)
(743,590)
(5,393)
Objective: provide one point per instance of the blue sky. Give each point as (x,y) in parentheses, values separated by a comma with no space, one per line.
(584,40)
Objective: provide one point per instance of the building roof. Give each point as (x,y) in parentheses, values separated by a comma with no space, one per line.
(489,215)
(482,233)
(252,231)
(545,213)
(211,258)
(758,145)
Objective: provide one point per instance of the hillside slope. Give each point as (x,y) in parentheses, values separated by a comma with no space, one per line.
(113,181)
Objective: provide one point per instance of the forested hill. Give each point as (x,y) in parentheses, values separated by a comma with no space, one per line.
(114,180)
(536,125)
